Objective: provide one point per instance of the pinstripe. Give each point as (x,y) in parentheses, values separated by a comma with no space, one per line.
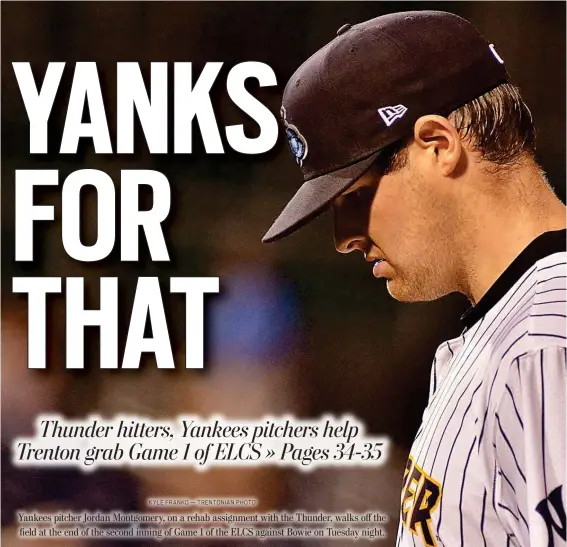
(543,423)
(560,336)
(482,518)
(434,376)
(507,329)
(486,412)
(460,428)
(500,472)
(524,520)
(552,278)
(494,490)
(510,331)
(462,490)
(552,266)
(506,334)
(510,447)
(447,386)
(550,290)
(419,432)
(527,307)
(513,344)
(515,407)
(509,511)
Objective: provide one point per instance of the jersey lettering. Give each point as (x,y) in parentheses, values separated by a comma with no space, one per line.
(421,495)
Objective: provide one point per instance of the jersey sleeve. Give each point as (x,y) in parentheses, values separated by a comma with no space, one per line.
(529,450)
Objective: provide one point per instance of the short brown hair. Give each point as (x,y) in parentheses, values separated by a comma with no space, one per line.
(498,124)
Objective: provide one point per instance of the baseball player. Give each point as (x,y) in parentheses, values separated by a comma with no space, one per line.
(408,128)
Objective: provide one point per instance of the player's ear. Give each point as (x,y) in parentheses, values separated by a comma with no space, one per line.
(437,136)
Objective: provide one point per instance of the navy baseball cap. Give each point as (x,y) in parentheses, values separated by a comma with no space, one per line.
(366,89)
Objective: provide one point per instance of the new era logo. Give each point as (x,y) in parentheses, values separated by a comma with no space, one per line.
(392,113)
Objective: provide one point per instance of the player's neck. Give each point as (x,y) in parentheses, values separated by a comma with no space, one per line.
(503,224)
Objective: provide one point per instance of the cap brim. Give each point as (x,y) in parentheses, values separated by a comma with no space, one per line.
(314,197)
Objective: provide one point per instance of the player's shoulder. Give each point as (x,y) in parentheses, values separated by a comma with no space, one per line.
(551,269)
(538,316)
(546,314)
(549,295)
(528,322)
(547,324)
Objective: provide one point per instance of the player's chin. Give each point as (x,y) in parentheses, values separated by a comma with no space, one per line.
(403,290)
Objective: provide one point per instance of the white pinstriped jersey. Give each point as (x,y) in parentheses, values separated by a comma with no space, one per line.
(487,467)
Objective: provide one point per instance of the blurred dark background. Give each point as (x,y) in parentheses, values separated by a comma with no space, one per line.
(297,328)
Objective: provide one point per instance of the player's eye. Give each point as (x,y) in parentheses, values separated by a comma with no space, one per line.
(361,197)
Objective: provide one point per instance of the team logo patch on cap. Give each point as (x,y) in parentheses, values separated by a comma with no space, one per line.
(296,141)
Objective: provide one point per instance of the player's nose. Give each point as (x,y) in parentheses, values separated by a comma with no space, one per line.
(347,238)
(348,244)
